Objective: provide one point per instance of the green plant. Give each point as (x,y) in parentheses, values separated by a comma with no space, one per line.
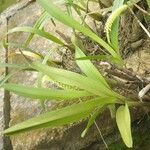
(92,85)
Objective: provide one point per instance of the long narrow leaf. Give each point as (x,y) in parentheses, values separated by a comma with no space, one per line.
(115,27)
(74,79)
(108,58)
(148,3)
(38,32)
(16,66)
(114,15)
(87,67)
(91,120)
(43,93)
(38,25)
(67,20)
(59,117)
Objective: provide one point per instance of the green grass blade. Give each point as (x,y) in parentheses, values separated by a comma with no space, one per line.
(108,58)
(38,25)
(16,66)
(88,68)
(73,79)
(67,20)
(115,27)
(113,16)
(44,93)
(38,32)
(148,3)
(92,120)
(59,117)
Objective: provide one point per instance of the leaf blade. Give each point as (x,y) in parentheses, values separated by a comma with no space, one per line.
(114,33)
(43,93)
(38,25)
(58,117)
(67,20)
(91,120)
(87,67)
(74,79)
(124,124)
(38,32)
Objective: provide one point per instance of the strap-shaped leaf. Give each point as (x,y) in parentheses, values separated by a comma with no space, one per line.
(115,27)
(108,58)
(148,3)
(16,66)
(91,120)
(43,93)
(88,68)
(74,79)
(112,24)
(114,15)
(59,117)
(38,32)
(124,124)
(67,20)
(38,25)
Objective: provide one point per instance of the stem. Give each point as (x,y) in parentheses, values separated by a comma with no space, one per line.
(101,135)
